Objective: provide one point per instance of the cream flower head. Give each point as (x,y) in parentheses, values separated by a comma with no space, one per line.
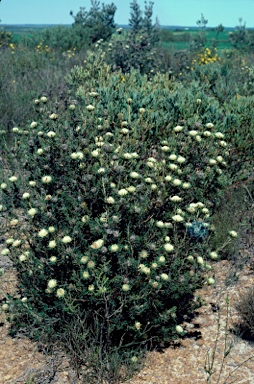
(43,233)
(46,179)
(60,293)
(33,124)
(66,239)
(52,283)
(52,244)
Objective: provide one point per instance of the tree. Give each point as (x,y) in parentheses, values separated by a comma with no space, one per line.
(143,24)
(138,48)
(202,22)
(240,38)
(219,29)
(136,19)
(199,39)
(152,30)
(97,23)
(147,19)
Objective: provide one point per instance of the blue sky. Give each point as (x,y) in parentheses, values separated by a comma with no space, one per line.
(169,12)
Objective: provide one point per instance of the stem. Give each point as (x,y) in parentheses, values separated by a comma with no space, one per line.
(239,366)
(225,352)
(129,114)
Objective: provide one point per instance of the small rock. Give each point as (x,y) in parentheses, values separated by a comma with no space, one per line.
(200,342)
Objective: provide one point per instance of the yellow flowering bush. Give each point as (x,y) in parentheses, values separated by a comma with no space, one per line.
(207,56)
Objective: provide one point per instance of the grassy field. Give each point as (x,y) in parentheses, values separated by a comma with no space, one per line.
(181,39)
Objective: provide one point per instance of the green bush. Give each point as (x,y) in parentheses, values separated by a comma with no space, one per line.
(58,38)
(222,78)
(97,23)
(167,35)
(88,27)
(241,39)
(108,206)
(137,48)
(5,38)
(127,52)
(223,83)
(231,213)
(25,74)
(239,129)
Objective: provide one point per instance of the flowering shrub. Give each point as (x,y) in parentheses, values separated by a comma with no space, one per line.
(137,52)
(104,208)
(207,56)
(137,48)
(5,38)
(41,47)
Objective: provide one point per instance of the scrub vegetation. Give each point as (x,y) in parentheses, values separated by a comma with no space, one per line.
(120,155)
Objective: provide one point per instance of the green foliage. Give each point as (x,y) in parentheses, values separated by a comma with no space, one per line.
(148,28)
(219,29)
(98,23)
(135,20)
(238,126)
(98,204)
(5,38)
(231,213)
(199,39)
(26,73)
(167,35)
(122,227)
(202,22)
(138,47)
(239,39)
(221,77)
(88,27)
(57,38)
(231,88)
(126,53)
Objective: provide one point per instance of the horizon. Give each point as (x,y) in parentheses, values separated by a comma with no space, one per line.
(169,12)
(117,25)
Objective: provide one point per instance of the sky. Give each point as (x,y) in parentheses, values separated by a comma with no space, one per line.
(169,12)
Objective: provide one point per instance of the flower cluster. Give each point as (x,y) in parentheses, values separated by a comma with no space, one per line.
(207,56)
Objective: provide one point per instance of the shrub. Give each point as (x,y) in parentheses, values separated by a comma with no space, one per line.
(199,39)
(57,38)
(137,48)
(127,52)
(27,73)
(5,38)
(98,23)
(238,127)
(239,38)
(167,35)
(245,309)
(61,38)
(207,56)
(231,212)
(102,206)
(221,77)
